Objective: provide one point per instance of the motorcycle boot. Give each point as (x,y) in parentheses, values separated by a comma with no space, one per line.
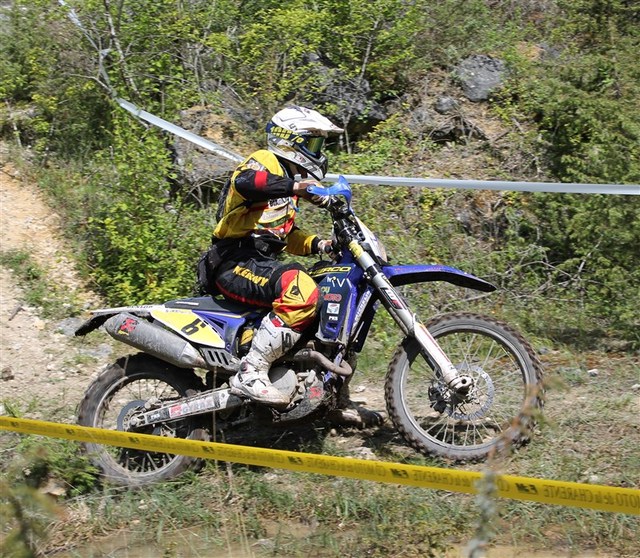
(271,341)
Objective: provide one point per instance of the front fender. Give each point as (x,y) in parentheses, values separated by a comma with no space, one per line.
(420,273)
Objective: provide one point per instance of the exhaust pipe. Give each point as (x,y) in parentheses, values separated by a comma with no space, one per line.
(153,339)
(342,369)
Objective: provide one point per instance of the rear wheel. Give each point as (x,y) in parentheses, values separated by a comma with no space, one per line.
(121,390)
(498,411)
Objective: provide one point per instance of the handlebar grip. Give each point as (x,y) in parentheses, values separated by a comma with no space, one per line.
(317,190)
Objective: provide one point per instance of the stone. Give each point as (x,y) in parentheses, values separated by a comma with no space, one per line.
(480,75)
(445,105)
(7,374)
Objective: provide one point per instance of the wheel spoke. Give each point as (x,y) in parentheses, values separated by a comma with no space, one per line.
(501,365)
(114,398)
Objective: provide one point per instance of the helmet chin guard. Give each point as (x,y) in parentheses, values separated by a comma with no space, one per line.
(297,135)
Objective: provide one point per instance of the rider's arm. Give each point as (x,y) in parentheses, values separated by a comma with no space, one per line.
(261,178)
(300,243)
(261,185)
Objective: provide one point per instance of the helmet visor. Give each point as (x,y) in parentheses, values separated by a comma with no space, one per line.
(314,144)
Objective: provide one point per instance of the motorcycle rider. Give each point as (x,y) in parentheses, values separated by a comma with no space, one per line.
(256,221)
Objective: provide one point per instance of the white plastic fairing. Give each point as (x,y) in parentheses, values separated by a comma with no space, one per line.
(376,246)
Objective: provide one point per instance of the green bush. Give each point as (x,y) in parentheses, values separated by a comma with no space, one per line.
(142,239)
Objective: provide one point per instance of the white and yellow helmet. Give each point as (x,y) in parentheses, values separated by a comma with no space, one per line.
(297,134)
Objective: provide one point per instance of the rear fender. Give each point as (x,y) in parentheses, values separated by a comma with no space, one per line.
(91,324)
(407,274)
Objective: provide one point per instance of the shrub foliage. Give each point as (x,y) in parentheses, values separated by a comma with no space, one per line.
(571,110)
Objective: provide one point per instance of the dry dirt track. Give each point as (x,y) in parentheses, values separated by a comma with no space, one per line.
(40,370)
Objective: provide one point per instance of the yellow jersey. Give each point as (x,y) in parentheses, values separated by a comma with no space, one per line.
(260,200)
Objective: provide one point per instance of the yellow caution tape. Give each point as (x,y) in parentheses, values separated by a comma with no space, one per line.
(593,496)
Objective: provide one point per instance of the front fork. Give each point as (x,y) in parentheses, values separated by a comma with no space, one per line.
(409,324)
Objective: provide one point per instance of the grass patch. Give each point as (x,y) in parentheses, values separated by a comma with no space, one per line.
(36,460)
(589,434)
(52,300)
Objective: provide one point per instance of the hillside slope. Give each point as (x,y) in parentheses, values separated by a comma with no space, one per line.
(591,432)
(43,370)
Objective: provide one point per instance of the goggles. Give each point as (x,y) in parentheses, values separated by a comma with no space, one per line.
(314,144)
(309,144)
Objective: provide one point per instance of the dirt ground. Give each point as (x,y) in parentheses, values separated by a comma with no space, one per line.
(36,356)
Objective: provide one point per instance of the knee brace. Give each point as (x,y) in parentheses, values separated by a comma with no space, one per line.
(297,303)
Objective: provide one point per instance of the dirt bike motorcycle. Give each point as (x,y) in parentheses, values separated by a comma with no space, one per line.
(460,386)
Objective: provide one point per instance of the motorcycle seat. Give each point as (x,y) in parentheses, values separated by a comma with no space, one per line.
(209,304)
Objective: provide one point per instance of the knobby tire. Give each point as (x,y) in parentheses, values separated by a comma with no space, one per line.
(509,393)
(121,385)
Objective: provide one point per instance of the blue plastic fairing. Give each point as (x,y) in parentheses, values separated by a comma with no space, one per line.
(407,274)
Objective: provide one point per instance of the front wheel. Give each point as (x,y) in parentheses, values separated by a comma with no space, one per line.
(498,411)
(121,390)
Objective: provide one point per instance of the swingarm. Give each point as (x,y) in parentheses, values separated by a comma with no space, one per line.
(153,412)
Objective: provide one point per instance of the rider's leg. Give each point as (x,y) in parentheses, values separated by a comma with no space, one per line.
(294,308)
(271,341)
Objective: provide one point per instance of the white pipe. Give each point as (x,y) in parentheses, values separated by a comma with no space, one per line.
(557,187)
